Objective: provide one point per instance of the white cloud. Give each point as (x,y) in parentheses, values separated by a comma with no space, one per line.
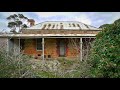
(83,19)
(114,17)
(50,14)
(68,16)
(6,14)
(100,21)
(90,18)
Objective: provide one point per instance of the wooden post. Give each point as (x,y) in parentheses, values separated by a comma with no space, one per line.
(80,49)
(43,48)
(7,46)
(19,45)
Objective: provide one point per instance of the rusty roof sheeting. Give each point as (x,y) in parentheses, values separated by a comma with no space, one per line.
(68,25)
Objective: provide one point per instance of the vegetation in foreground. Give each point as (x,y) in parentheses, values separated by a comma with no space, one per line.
(62,68)
(105,52)
(22,66)
(15,66)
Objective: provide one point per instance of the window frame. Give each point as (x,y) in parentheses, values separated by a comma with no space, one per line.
(37,44)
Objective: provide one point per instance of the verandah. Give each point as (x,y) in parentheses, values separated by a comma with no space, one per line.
(79,43)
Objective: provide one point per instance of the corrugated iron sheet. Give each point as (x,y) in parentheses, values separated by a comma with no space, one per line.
(68,25)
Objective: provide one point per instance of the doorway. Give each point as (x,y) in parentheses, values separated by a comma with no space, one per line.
(62,48)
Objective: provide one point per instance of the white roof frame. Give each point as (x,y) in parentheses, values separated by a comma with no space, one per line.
(47,35)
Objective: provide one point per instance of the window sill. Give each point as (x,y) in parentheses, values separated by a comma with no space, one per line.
(38,50)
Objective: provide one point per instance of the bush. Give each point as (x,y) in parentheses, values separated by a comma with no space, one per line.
(105,52)
(15,66)
(23,66)
(62,68)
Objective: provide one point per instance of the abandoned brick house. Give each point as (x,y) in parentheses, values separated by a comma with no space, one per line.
(51,39)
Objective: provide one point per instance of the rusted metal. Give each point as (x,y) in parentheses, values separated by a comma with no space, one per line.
(66,25)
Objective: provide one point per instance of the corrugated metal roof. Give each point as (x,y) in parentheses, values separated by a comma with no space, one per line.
(68,25)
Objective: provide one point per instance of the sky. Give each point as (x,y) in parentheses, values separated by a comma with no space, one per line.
(95,19)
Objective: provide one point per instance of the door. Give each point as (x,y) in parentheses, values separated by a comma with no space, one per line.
(62,48)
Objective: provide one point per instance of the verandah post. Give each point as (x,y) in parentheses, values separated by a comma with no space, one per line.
(81,49)
(7,46)
(43,48)
(19,45)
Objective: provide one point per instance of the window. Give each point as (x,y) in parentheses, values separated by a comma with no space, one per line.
(39,43)
(22,42)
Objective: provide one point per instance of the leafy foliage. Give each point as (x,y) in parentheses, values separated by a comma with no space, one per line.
(16,21)
(104,25)
(105,53)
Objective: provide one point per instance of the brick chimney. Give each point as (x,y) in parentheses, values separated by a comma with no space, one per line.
(32,22)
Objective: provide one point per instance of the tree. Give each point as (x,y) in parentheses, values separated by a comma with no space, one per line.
(105,52)
(17,21)
(104,25)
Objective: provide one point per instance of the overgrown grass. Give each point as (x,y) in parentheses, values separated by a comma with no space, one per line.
(15,66)
(21,66)
(63,69)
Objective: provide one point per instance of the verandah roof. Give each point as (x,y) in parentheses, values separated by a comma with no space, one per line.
(47,35)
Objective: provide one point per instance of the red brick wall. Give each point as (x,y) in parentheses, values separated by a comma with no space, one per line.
(73,51)
(50,48)
(30,47)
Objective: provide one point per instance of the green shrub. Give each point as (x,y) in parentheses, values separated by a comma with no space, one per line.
(105,52)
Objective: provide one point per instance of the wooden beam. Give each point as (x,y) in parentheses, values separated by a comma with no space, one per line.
(53,37)
(43,48)
(48,35)
(81,49)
